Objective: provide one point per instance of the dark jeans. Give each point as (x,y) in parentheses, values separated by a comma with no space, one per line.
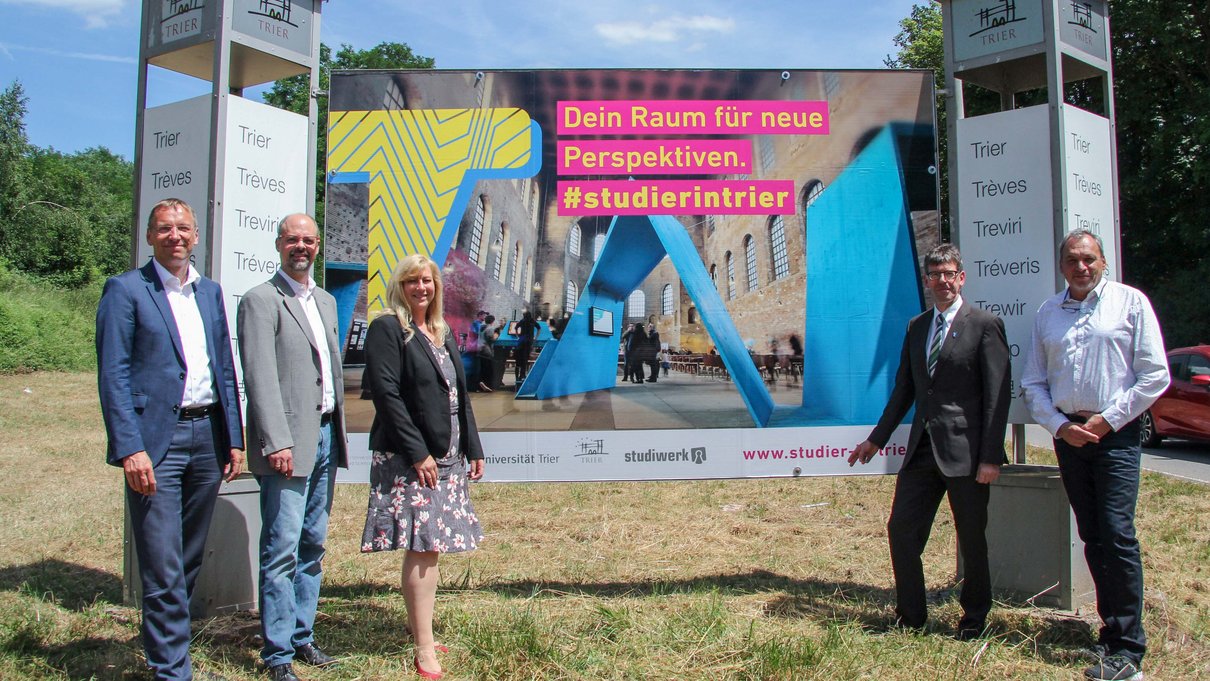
(170,529)
(918,492)
(1102,483)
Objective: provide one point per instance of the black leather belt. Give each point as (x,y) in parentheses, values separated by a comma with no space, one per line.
(1076,418)
(325,419)
(193,413)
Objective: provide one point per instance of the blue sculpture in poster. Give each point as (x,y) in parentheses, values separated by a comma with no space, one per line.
(862,290)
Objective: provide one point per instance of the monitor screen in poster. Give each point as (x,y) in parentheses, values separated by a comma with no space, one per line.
(601,321)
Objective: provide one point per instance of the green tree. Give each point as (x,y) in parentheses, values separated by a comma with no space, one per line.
(920,47)
(1162,72)
(72,224)
(13,146)
(65,217)
(293,94)
(1161,61)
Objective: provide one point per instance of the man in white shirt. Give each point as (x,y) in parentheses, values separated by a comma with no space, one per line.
(1096,363)
(296,439)
(167,384)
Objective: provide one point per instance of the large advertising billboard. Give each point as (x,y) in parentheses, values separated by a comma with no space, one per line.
(763,228)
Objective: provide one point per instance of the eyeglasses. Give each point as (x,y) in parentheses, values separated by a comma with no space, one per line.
(938,275)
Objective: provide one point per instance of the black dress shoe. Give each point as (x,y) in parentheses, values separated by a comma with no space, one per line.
(313,656)
(282,672)
(969,631)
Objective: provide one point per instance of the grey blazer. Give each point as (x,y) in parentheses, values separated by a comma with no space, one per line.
(282,376)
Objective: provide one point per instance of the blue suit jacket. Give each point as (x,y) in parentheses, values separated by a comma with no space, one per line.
(141,365)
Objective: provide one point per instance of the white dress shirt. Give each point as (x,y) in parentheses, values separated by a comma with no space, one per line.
(306,298)
(1103,354)
(199,387)
(948,315)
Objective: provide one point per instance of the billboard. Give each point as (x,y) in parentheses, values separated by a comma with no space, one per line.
(764,226)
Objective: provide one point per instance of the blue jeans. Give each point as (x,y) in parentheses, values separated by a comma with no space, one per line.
(170,529)
(1102,483)
(294,523)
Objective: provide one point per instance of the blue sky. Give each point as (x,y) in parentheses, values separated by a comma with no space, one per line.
(78,59)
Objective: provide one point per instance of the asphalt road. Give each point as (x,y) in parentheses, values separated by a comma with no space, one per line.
(1178,458)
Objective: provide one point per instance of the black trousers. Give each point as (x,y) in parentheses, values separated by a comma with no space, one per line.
(918,492)
(1102,483)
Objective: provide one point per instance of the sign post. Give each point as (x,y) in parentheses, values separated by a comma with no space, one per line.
(1022,177)
(241,165)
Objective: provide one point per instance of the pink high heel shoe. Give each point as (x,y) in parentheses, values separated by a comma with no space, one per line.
(424,673)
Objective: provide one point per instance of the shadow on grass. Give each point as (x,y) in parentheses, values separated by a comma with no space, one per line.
(1058,637)
(70,586)
(755,582)
(89,658)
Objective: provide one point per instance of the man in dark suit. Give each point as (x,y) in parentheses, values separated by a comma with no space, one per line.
(168,396)
(296,439)
(955,370)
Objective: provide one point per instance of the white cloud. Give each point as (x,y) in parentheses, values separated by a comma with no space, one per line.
(667,30)
(95,13)
(8,48)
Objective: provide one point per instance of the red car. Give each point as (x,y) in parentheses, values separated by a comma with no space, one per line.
(1184,408)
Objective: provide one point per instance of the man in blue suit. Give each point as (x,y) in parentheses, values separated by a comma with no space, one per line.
(168,395)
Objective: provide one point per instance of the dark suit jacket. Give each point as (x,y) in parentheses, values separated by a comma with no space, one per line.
(411,396)
(141,365)
(964,405)
(282,376)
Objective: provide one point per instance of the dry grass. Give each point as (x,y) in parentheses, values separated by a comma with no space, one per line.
(747,579)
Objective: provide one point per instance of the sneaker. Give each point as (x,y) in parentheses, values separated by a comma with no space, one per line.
(1094,653)
(1114,668)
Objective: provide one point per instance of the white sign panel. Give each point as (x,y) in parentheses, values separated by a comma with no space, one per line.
(1082,26)
(1006,226)
(575,456)
(983,27)
(177,19)
(1089,165)
(176,164)
(285,23)
(265,178)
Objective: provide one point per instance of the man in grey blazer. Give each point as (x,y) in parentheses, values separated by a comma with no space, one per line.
(296,439)
(955,370)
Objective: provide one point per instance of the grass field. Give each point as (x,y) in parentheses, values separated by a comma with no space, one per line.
(749,579)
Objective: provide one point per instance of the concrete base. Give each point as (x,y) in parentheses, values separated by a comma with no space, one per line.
(229,576)
(1034,549)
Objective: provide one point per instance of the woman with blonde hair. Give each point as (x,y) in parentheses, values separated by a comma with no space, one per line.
(425,444)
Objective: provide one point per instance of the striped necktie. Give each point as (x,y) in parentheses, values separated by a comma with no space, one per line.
(935,346)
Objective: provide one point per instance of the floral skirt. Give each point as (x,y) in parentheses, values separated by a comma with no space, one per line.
(404,515)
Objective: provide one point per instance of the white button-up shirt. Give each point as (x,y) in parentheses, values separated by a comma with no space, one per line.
(306,298)
(182,298)
(1103,354)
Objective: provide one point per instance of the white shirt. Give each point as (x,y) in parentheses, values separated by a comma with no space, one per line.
(1103,354)
(948,315)
(306,298)
(199,388)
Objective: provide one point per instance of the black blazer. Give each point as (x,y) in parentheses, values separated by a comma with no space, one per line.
(411,396)
(964,405)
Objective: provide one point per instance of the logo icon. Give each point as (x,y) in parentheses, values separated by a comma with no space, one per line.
(591,451)
(698,454)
